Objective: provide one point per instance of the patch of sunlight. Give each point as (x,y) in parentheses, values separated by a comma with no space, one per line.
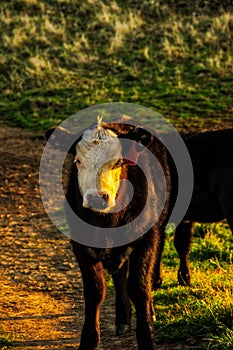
(54,29)
(220,61)
(31,2)
(39,64)
(122,23)
(123,28)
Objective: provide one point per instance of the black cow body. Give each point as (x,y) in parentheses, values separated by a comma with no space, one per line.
(134,265)
(212,200)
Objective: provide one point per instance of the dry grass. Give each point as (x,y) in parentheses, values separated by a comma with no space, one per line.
(38,31)
(213,36)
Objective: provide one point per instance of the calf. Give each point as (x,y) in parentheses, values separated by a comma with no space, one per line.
(212,157)
(100,199)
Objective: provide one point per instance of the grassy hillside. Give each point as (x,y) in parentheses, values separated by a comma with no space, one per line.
(59,56)
(174,56)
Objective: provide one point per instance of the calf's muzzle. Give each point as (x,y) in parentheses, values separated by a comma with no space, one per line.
(96,200)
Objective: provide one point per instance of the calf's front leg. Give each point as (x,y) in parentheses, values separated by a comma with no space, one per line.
(94,293)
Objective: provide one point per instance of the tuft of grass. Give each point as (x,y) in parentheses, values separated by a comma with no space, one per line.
(5,339)
(223,341)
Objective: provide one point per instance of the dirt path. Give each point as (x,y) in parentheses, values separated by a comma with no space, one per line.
(41,289)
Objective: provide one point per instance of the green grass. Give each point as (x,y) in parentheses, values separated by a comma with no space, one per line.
(203,313)
(59,56)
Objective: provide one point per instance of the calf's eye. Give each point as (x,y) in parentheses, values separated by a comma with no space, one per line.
(118,163)
(77,161)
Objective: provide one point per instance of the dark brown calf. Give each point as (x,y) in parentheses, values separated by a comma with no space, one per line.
(212,200)
(132,265)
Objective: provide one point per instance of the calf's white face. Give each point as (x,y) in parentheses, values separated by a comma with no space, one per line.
(99,159)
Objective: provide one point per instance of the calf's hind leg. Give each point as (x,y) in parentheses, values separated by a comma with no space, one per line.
(182,241)
(123,305)
(140,292)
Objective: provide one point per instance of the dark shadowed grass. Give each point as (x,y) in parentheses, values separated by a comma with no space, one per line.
(5,341)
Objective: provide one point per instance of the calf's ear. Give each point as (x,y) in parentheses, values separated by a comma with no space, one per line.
(141,136)
(61,139)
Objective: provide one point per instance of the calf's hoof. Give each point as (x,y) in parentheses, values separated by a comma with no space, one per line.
(157,284)
(121,329)
(184,279)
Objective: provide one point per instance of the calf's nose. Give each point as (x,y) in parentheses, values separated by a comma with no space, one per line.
(97,200)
